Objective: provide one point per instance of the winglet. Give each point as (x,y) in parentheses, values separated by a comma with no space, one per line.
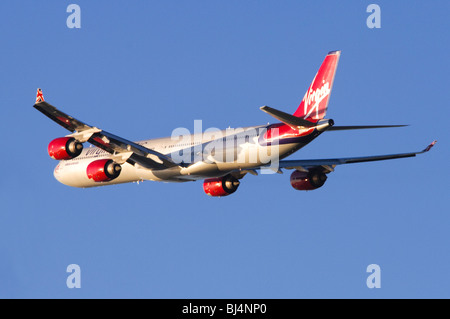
(429,147)
(39,96)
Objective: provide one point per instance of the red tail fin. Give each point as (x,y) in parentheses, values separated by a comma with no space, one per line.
(315,102)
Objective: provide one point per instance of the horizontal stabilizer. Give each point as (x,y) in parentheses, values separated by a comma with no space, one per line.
(286,118)
(361,127)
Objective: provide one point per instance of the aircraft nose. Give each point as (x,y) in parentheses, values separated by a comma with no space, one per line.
(70,175)
(57,172)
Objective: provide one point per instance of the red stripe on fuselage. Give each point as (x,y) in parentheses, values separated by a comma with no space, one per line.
(282,131)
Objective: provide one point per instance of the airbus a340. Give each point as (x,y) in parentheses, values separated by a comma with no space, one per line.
(220,158)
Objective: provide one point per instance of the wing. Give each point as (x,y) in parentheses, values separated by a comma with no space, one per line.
(296,122)
(122,149)
(328,164)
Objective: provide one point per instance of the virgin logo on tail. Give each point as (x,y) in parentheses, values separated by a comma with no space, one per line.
(314,104)
(312,99)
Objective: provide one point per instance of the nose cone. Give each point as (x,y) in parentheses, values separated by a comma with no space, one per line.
(57,172)
(65,175)
(59,175)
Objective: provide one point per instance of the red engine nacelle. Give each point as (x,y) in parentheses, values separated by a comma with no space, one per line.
(64,148)
(221,186)
(306,181)
(103,170)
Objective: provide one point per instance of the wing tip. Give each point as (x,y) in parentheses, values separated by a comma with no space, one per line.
(429,146)
(39,96)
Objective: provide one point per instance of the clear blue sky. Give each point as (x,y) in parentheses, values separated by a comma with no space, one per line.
(140,69)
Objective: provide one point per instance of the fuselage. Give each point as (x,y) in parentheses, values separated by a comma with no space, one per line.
(212,153)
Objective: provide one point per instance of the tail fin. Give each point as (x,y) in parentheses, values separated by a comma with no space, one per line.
(315,102)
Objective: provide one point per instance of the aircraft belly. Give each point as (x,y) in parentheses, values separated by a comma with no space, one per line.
(73,172)
(260,156)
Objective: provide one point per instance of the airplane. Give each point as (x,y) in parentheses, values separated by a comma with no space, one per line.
(221,158)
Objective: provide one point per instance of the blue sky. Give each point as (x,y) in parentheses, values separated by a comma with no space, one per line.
(139,69)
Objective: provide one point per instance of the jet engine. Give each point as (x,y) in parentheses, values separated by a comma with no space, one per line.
(221,186)
(103,170)
(306,181)
(64,148)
